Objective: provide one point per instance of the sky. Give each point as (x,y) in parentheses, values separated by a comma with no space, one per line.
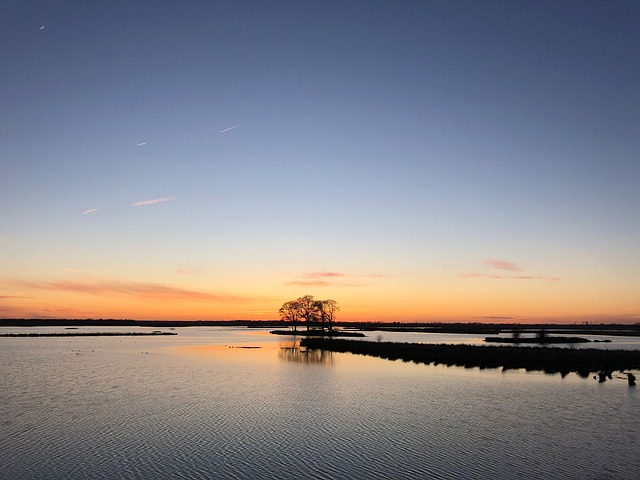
(437,161)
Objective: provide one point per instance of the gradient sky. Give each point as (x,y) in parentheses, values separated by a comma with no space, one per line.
(413,160)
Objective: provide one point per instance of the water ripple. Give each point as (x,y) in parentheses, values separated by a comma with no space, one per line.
(114,413)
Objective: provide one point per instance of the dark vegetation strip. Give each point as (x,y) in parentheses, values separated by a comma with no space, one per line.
(467,328)
(537,340)
(87,334)
(318,333)
(495,329)
(549,360)
(115,322)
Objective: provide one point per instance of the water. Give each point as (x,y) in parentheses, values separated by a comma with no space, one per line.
(198,406)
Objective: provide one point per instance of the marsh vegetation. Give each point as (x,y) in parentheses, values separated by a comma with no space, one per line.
(319,333)
(538,340)
(549,360)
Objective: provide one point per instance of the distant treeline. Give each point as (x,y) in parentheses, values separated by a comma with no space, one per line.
(495,329)
(434,327)
(546,359)
(109,322)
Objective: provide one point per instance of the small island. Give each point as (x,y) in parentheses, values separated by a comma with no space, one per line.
(318,316)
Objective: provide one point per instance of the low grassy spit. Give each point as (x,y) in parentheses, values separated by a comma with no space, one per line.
(86,334)
(317,333)
(537,340)
(546,359)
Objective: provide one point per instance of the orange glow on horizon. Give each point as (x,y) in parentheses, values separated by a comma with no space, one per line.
(451,299)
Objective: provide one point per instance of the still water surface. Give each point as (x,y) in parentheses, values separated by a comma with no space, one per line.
(202,405)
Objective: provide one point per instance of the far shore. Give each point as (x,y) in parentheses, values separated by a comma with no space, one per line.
(481,329)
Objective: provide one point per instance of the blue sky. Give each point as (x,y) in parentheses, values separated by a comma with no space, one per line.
(385,154)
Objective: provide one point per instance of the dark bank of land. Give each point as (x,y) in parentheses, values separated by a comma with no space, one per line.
(540,340)
(87,334)
(609,329)
(546,359)
(318,333)
(433,327)
(116,322)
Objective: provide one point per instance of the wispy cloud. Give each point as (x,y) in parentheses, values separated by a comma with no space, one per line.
(310,283)
(12,296)
(329,278)
(151,202)
(506,266)
(324,274)
(12,312)
(535,277)
(91,210)
(482,275)
(502,265)
(322,283)
(510,277)
(139,290)
(141,144)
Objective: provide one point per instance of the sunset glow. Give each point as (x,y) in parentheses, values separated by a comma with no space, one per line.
(422,161)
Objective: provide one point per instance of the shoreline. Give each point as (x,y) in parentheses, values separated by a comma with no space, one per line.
(482,329)
(537,340)
(550,360)
(318,333)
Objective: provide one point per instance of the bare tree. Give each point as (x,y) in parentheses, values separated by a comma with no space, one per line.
(328,309)
(321,313)
(290,312)
(308,309)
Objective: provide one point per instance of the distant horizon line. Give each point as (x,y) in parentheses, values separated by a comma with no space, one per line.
(89,320)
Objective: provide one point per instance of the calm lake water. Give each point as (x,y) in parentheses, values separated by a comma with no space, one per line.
(203,405)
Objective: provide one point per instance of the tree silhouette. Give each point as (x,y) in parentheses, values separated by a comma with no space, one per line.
(327,310)
(310,310)
(290,312)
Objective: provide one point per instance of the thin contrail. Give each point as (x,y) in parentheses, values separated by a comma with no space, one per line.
(151,202)
(91,210)
(230,128)
(141,144)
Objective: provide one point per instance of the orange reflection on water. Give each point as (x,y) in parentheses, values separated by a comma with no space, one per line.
(246,352)
(292,352)
(254,352)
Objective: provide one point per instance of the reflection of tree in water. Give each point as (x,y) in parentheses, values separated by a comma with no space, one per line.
(292,352)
